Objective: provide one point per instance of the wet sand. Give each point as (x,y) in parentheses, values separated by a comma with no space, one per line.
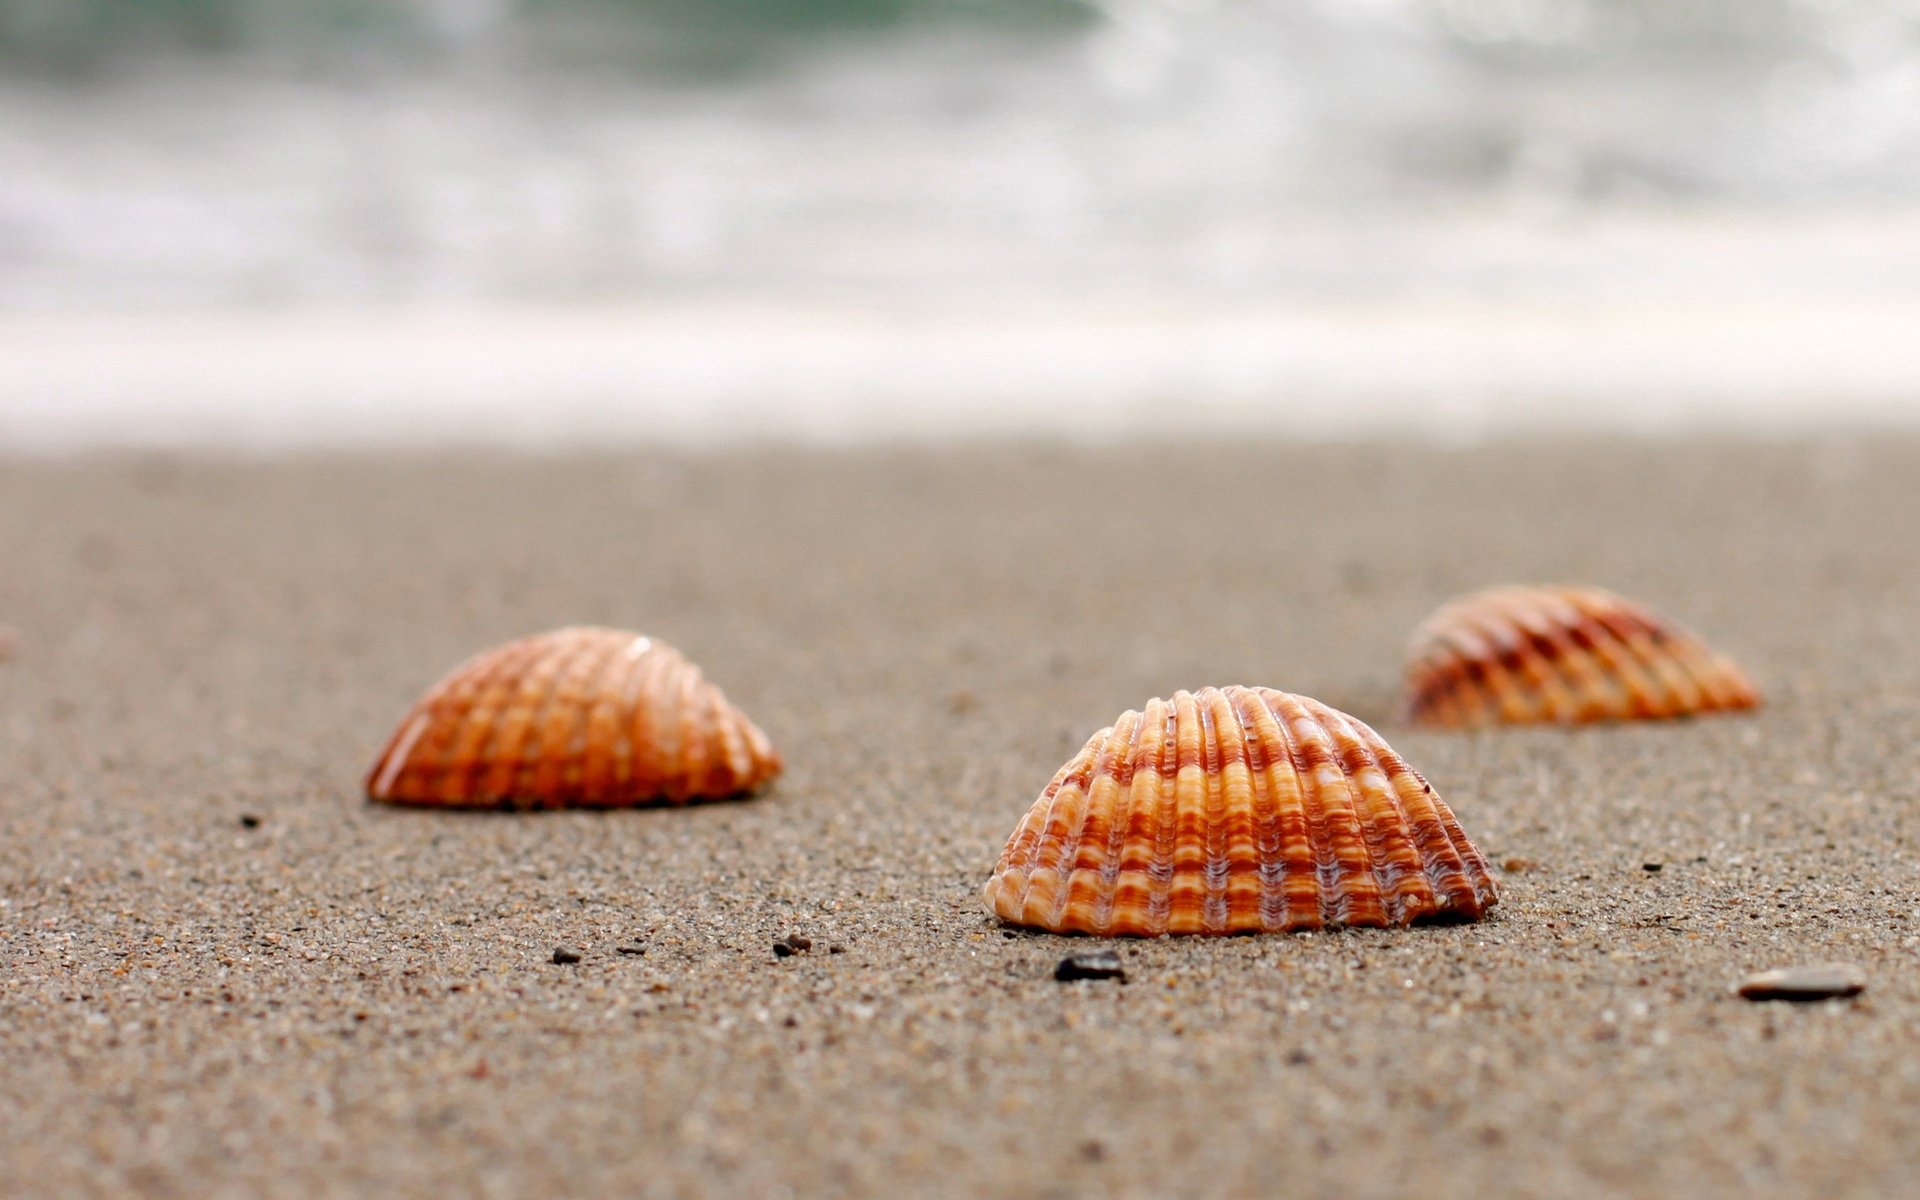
(223,973)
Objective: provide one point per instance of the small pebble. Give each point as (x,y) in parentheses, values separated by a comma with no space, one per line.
(1102,964)
(799,941)
(836,948)
(1514,866)
(565,956)
(1298,1057)
(629,949)
(249,821)
(1821,981)
(1652,868)
(782,950)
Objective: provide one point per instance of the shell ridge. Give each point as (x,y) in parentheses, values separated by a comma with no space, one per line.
(1512,656)
(1138,884)
(1258,820)
(447,708)
(585,751)
(390,764)
(693,749)
(1544,695)
(1160,902)
(465,762)
(1384,822)
(1662,697)
(448,701)
(1045,827)
(620,744)
(1310,807)
(1438,870)
(541,780)
(1119,825)
(1359,879)
(1264,740)
(1562,689)
(1017,857)
(1644,692)
(1465,677)
(1599,692)
(646,721)
(1667,648)
(723,746)
(1213,766)
(1074,831)
(504,745)
(1322,817)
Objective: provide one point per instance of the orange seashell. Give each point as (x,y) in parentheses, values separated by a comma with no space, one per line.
(1236,810)
(1517,655)
(577,718)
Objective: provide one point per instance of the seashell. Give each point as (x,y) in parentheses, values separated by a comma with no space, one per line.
(576,718)
(1236,810)
(1515,655)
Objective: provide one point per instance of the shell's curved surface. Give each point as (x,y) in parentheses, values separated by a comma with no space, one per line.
(576,718)
(1236,810)
(1567,655)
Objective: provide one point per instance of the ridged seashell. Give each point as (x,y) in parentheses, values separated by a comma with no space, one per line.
(1517,655)
(1235,811)
(576,718)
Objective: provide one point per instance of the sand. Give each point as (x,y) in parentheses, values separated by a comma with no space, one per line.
(223,973)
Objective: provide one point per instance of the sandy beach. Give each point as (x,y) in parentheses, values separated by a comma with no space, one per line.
(223,973)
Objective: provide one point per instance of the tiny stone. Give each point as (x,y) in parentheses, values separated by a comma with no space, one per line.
(249,821)
(629,949)
(1102,964)
(1298,1057)
(1652,868)
(1514,866)
(836,948)
(1094,1150)
(1821,981)
(563,956)
(782,950)
(799,941)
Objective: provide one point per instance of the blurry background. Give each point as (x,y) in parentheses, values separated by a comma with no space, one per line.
(342,222)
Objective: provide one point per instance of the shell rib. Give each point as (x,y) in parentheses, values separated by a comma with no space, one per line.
(577,718)
(1236,810)
(1520,655)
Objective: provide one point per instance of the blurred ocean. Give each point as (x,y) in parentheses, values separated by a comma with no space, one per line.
(276,223)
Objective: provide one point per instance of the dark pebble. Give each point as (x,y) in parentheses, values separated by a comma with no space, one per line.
(249,821)
(1298,1058)
(782,950)
(564,956)
(836,948)
(1102,964)
(799,941)
(629,949)
(1652,868)
(1822,981)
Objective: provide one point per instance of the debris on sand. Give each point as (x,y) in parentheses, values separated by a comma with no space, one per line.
(1102,964)
(1821,981)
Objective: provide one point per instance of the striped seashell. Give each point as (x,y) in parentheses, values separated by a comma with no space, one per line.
(1518,655)
(577,718)
(1236,810)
